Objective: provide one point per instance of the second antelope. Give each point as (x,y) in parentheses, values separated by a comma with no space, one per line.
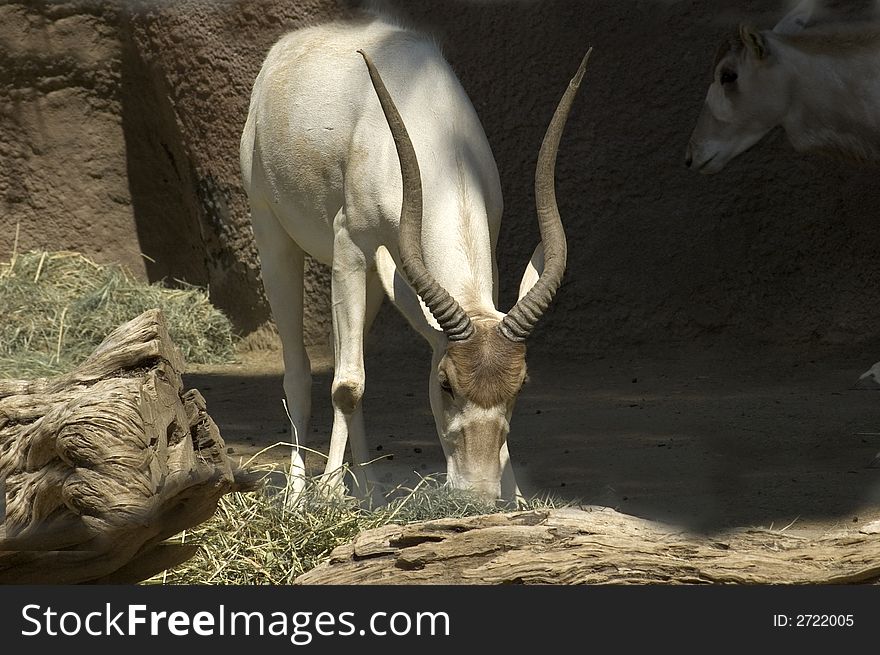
(821,84)
(414,214)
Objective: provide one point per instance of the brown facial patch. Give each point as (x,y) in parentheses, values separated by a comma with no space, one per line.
(488,368)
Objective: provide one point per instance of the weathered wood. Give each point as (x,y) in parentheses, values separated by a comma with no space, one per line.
(101,465)
(592,546)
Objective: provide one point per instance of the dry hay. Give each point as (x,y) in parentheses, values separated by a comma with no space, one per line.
(58,306)
(260,538)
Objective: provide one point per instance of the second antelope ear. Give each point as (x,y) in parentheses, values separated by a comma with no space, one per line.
(754,41)
(796,20)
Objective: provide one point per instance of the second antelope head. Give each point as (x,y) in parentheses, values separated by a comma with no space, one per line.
(750,93)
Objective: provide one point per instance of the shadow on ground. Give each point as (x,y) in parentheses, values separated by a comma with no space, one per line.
(704,439)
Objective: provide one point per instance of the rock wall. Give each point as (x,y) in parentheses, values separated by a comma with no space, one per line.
(120,128)
(64,181)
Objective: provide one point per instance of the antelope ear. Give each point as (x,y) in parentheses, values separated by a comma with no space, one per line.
(797,19)
(754,41)
(533,272)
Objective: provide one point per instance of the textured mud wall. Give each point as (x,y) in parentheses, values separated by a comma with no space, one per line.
(120,127)
(62,148)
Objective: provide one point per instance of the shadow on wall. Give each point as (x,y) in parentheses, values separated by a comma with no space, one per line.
(161,185)
(779,249)
(189,67)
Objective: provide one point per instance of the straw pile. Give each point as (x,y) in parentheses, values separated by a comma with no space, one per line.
(260,538)
(56,307)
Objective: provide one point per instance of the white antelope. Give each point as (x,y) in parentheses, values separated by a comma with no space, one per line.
(326,176)
(821,84)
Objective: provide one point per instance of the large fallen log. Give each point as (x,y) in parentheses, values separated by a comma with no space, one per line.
(591,546)
(103,464)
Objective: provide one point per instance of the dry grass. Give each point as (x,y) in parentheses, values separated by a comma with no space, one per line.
(58,306)
(258,538)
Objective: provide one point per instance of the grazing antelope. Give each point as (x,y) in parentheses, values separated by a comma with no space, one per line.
(821,84)
(330,169)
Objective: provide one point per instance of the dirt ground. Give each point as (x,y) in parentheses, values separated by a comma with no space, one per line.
(702,437)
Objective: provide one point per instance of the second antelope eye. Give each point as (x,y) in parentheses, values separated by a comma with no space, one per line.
(728,77)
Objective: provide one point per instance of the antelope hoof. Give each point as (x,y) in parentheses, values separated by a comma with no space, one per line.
(331,486)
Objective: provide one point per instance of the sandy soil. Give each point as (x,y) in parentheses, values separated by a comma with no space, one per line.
(703,438)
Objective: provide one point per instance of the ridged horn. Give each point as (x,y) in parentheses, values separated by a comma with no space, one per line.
(521,320)
(445,309)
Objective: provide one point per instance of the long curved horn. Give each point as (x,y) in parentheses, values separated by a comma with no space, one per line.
(521,320)
(449,314)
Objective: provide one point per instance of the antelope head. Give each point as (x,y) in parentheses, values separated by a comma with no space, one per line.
(475,381)
(749,94)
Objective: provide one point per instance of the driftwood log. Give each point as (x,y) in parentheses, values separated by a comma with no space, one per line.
(101,465)
(591,546)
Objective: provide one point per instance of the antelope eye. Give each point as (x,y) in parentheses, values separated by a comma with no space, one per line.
(444,384)
(728,77)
